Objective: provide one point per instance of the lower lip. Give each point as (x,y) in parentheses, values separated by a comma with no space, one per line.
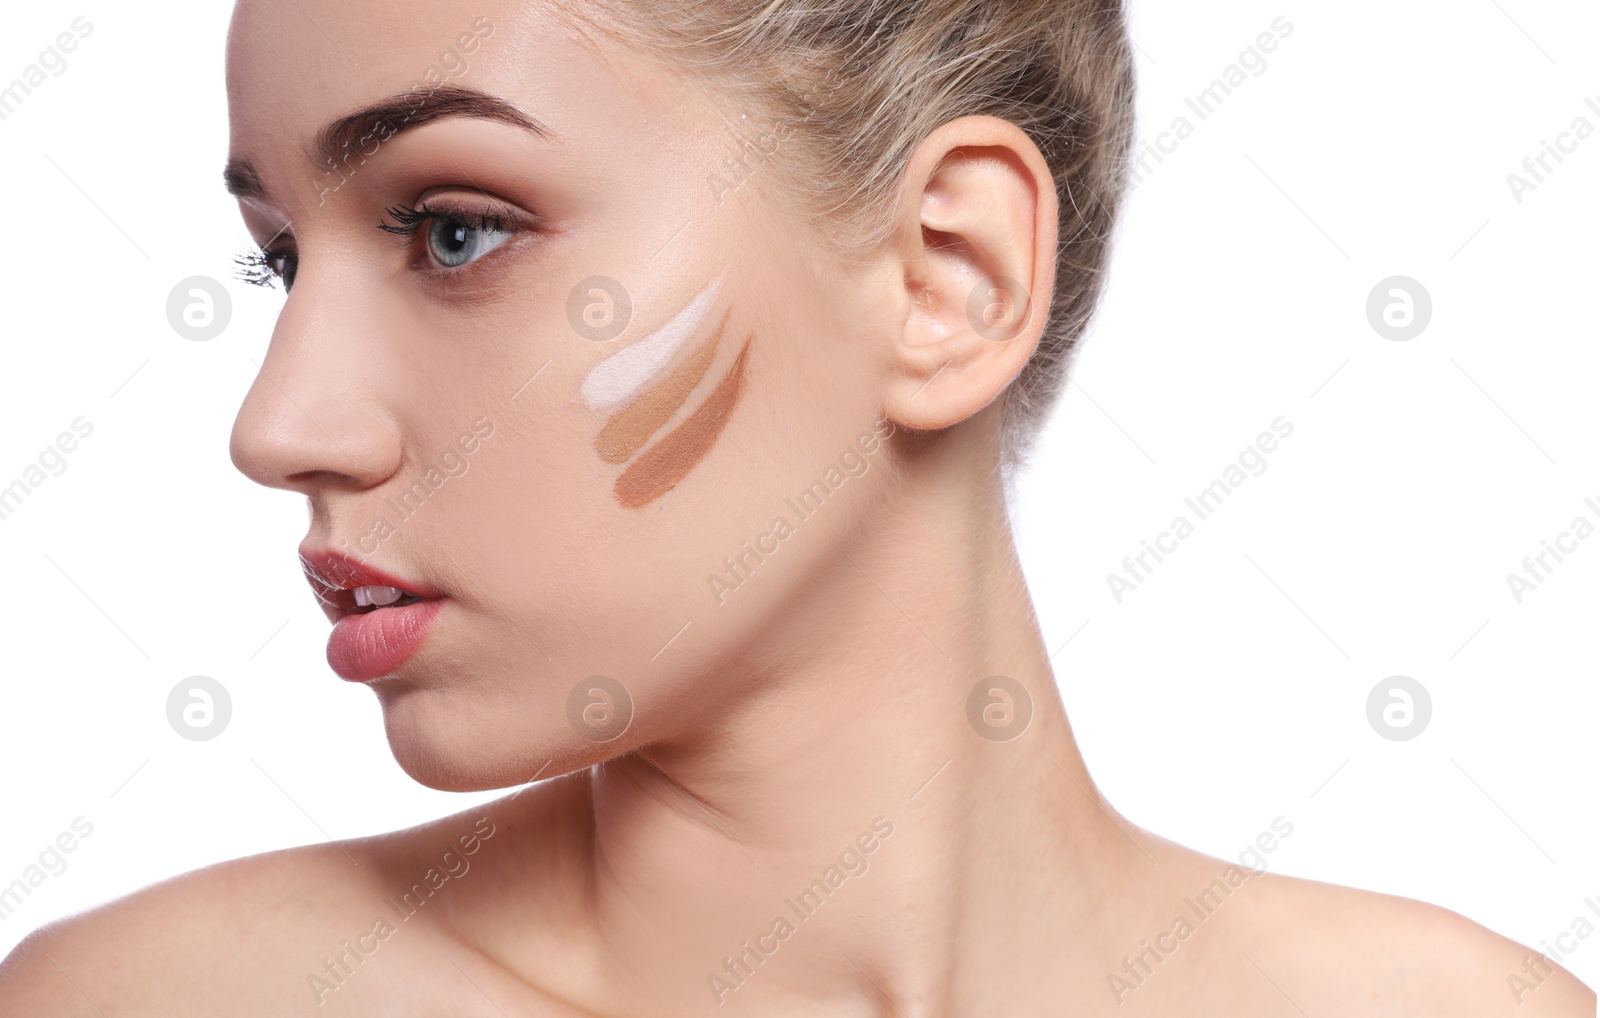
(373,644)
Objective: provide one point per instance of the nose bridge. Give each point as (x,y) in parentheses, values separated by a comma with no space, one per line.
(313,417)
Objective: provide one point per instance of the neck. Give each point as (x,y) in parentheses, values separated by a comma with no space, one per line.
(853,824)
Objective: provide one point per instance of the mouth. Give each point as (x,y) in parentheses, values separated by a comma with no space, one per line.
(372,598)
(379,620)
(345,586)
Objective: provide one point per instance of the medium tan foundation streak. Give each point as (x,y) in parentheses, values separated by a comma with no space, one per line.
(631,427)
(669,461)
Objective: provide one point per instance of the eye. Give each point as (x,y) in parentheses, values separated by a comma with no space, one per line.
(263,268)
(454,238)
(453,244)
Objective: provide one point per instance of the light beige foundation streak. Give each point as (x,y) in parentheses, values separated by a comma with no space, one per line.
(631,427)
(669,461)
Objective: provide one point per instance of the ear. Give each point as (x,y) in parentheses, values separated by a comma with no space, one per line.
(977,236)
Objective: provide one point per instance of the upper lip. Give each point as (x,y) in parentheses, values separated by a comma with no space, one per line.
(334,576)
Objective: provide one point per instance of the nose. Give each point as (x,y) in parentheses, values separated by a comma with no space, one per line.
(312,420)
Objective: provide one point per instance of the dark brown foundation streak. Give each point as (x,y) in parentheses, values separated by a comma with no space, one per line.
(669,461)
(631,427)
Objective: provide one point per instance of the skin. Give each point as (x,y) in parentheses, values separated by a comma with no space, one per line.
(829,690)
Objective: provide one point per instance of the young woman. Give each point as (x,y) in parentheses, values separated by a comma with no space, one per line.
(653,370)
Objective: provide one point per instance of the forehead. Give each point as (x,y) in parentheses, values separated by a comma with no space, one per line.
(293,67)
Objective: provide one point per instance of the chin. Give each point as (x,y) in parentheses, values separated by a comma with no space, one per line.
(455,745)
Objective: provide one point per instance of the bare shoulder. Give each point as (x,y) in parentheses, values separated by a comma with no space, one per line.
(1350,951)
(113,956)
(348,927)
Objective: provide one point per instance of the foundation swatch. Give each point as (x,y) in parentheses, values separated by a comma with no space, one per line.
(620,377)
(631,427)
(669,461)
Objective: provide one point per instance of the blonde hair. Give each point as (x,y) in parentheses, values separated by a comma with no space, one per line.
(856,85)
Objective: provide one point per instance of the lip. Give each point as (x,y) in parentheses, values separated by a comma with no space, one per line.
(334,576)
(374,644)
(366,645)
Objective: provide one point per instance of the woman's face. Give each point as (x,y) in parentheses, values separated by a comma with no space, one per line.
(574,404)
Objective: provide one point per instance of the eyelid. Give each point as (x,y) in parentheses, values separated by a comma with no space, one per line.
(470,212)
(474,212)
(282,238)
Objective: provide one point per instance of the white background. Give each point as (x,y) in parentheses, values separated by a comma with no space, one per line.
(1228,690)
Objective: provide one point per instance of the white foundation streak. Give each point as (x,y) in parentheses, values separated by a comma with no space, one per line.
(620,377)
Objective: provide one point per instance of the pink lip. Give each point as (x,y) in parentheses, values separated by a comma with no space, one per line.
(366,645)
(374,644)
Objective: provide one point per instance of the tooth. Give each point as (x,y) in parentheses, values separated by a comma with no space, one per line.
(363,599)
(385,595)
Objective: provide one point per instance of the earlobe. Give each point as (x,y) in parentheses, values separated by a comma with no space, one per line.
(978,243)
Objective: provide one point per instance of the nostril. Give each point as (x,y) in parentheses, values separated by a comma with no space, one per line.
(311,441)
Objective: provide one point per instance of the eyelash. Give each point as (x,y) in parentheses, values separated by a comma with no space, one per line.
(255,266)
(410,222)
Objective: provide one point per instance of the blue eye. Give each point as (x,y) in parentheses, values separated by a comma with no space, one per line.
(453,244)
(454,238)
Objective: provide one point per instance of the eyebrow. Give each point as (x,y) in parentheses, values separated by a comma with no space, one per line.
(381,121)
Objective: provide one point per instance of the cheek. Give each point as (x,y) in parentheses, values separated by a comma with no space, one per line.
(597,542)
(535,497)
(662,466)
(667,398)
(616,486)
